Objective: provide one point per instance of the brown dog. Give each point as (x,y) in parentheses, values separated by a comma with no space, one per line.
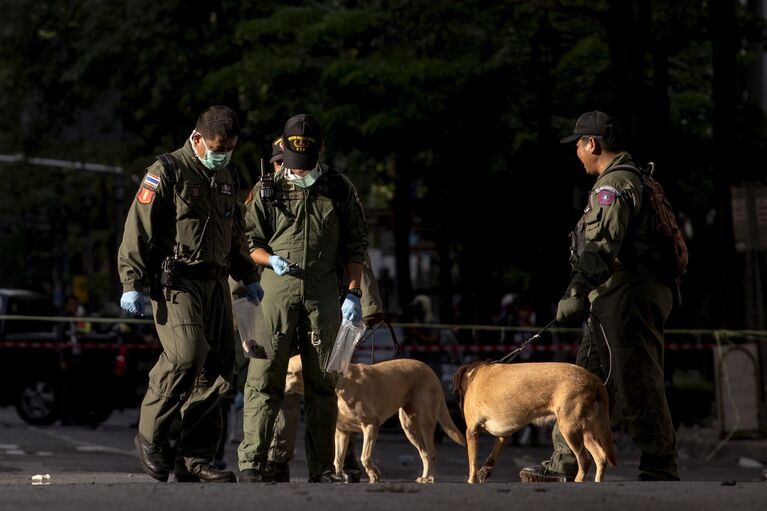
(502,398)
(370,394)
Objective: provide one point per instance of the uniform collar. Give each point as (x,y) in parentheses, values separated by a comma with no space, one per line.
(622,158)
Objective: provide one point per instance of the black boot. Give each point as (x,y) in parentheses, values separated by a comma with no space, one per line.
(252,475)
(154,458)
(541,474)
(352,470)
(202,473)
(279,472)
(327,476)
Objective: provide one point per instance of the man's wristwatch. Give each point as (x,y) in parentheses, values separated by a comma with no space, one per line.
(354,291)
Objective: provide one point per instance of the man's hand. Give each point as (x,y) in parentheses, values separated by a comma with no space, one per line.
(573,307)
(133,302)
(352,308)
(255,292)
(280,265)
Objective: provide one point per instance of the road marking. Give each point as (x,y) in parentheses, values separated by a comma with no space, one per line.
(4,447)
(15,452)
(93,448)
(84,446)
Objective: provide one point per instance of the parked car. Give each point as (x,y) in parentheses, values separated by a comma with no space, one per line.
(50,370)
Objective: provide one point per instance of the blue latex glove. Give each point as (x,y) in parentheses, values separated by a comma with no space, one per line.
(255,292)
(133,302)
(280,265)
(352,308)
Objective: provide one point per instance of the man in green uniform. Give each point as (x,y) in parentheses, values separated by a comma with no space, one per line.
(615,271)
(282,449)
(183,236)
(313,219)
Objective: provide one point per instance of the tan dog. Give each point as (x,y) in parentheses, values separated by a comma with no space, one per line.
(502,398)
(370,394)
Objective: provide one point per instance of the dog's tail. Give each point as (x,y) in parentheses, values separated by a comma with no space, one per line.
(448,425)
(604,432)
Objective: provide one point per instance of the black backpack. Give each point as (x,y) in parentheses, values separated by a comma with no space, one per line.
(668,242)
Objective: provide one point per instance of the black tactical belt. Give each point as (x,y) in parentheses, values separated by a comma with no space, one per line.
(201,271)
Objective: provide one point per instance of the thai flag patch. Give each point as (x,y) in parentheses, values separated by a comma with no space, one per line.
(151,180)
(606,195)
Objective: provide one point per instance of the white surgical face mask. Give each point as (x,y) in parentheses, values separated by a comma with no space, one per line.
(212,160)
(303,182)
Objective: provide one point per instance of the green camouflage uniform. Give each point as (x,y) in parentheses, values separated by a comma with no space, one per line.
(194,215)
(314,227)
(611,253)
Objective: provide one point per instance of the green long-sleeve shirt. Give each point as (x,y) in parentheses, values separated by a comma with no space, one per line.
(194,215)
(315,227)
(614,232)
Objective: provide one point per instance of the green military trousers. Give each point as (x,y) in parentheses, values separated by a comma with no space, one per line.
(624,338)
(311,324)
(194,370)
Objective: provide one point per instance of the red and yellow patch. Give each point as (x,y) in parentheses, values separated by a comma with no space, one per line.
(145,195)
(249,197)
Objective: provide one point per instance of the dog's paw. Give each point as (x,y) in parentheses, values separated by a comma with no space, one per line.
(374,476)
(425,480)
(484,473)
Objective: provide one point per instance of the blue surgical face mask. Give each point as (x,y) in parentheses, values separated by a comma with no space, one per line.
(213,160)
(303,182)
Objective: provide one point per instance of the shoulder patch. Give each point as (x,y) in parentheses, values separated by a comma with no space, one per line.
(606,195)
(145,195)
(249,198)
(151,181)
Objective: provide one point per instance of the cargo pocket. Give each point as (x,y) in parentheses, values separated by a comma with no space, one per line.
(277,339)
(592,224)
(330,226)
(188,347)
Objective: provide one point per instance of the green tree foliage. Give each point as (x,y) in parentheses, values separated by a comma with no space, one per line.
(449,110)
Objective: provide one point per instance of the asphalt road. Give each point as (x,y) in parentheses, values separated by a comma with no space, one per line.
(96,468)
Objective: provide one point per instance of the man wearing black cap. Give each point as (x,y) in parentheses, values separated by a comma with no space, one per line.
(277,150)
(617,286)
(314,219)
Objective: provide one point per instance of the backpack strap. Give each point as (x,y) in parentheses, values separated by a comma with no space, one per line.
(635,169)
(170,165)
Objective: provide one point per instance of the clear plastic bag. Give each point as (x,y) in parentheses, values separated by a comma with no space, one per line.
(251,326)
(348,337)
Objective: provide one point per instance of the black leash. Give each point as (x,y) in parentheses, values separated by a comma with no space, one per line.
(372,331)
(511,356)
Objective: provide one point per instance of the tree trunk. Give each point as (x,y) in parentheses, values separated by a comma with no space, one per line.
(725,91)
(403,218)
(658,134)
(628,27)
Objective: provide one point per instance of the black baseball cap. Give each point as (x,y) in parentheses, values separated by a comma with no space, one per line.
(276,150)
(595,124)
(301,141)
